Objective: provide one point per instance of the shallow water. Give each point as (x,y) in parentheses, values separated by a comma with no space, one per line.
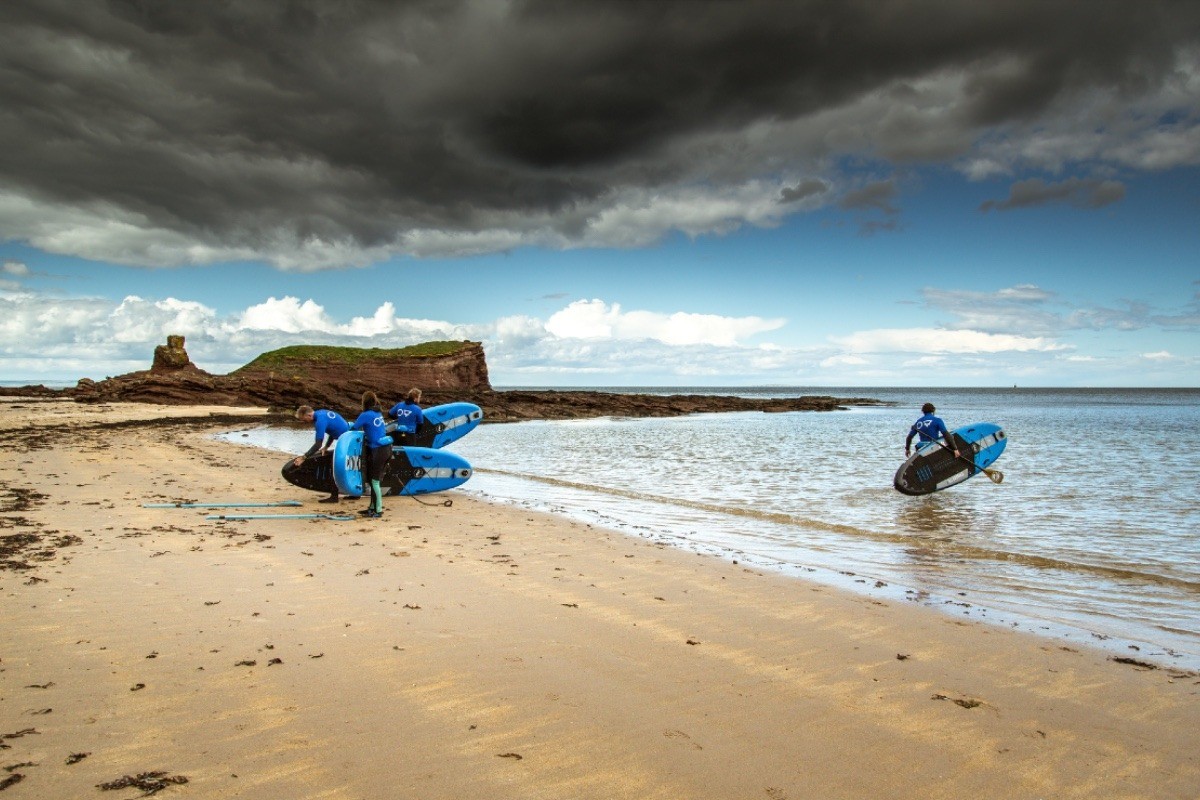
(1092,535)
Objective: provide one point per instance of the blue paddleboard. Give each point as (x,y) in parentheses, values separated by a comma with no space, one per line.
(411,470)
(934,467)
(443,424)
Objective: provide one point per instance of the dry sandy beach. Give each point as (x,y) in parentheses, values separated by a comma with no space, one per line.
(481,651)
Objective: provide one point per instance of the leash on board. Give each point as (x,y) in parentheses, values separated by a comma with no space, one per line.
(447,502)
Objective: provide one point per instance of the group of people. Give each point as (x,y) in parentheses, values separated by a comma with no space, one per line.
(377,439)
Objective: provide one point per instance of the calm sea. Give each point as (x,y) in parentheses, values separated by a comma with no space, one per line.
(1093,535)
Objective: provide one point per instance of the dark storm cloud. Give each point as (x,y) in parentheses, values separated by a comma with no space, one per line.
(876,196)
(803,191)
(328,132)
(1074,191)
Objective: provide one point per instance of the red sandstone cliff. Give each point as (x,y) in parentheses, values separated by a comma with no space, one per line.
(388,372)
(331,377)
(336,377)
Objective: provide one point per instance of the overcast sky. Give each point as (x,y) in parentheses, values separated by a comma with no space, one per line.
(609,193)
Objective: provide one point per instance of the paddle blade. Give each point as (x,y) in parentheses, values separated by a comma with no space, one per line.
(996,475)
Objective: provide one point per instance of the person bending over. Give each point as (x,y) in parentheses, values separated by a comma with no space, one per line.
(328,426)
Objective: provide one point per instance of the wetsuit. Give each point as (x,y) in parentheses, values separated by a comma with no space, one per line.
(328,426)
(377,451)
(408,418)
(929,428)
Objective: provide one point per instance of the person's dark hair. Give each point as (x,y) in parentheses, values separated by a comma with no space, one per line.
(928,408)
(369,401)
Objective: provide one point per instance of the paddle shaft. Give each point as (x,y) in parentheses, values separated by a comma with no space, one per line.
(279,516)
(289,503)
(994,475)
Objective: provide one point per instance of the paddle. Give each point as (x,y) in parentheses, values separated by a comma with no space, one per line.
(994,475)
(339,517)
(222,505)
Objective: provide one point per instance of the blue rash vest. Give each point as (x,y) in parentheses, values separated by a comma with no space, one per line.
(408,416)
(328,423)
(929,428)
(374,431)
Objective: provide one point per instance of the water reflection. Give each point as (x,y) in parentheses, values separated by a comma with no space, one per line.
(935,514)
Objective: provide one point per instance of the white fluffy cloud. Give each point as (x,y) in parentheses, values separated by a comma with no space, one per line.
(1029,310)
(290,315)
(586,342)
(595,319)
(136,320)
(286,314)
(44,336)
(940,340)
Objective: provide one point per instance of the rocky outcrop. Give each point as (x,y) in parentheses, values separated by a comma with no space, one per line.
(333,377)
(171,357)
(336,377)
(438,366)
(514,406)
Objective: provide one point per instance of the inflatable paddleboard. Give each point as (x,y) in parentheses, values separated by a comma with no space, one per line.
(443,424)
(412,470)
(934,467)
(313,473)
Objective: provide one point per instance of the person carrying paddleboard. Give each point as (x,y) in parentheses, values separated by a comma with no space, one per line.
(328,426)
(408,416)
(929,428)
(377,450)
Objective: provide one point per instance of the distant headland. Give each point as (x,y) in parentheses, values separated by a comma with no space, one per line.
(335,377)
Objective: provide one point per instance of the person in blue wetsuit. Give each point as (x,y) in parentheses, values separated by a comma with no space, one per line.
(929,428)
(328,426)
(377,450)
(408,416)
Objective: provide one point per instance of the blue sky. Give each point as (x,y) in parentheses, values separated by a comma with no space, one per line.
(927,221)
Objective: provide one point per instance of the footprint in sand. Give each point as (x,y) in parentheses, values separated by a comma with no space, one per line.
(673,734)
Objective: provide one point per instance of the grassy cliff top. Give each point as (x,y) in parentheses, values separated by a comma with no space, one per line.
(290,356)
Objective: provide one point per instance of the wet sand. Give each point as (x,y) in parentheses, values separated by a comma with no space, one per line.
(476,650)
